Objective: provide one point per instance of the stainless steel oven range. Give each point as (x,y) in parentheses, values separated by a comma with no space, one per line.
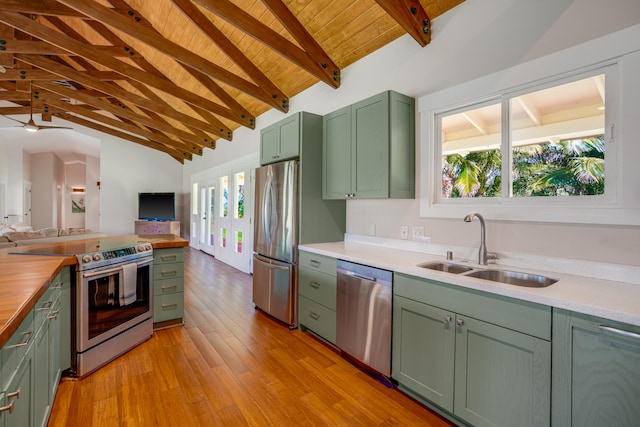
(113,303)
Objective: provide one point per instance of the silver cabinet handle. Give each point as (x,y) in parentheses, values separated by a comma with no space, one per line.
(447,319)
(168,257)
(169,287)
(47,306)
(23,343)
(622,332)
(314,315)
(173,272)
(54,314)
(315,263)
(169,305)
(314,284)
(459,322)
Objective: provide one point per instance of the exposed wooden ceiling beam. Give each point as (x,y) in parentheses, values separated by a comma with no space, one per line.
(85,111)
(43,48)
(411,16)
(124,95)
(61,40)
(256,29)
(27,74)
(6,33)
(180,156)
(39,7)
(177,52)
(194,142)
(323,62)
(192,12)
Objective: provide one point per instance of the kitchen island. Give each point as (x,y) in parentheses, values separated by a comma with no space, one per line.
(25,278)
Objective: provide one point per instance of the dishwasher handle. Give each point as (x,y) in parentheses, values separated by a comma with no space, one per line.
(360,276)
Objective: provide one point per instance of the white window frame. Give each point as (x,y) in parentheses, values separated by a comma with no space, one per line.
(619,205)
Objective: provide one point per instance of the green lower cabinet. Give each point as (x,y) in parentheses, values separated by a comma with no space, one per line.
(596,371)
(41,366)
(502,377)
(17,395)
(168,286)
(481,373)
(423,348)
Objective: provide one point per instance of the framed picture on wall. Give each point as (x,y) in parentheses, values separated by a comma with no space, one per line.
(77,203)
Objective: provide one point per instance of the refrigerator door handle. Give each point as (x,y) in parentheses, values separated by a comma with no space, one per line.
(267,203)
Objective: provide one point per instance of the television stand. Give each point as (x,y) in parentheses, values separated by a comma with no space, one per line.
(157,227)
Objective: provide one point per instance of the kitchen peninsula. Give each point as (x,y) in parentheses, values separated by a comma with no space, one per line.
(38,340)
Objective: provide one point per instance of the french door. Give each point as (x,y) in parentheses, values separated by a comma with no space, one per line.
(207,237)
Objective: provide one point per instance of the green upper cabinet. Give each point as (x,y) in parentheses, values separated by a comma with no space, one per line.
(369,149)
(280,141)
(596,365)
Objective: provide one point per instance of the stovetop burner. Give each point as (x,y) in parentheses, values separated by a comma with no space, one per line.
(93,253)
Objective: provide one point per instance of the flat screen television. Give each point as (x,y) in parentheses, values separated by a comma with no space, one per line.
(157,206)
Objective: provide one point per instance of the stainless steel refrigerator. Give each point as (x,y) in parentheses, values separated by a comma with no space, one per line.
(275,244)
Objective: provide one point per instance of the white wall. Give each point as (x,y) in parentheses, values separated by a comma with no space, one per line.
(472,40)
(127,169)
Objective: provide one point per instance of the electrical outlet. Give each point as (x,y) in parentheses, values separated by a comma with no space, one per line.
(372,230)
(417,232)
(404,232)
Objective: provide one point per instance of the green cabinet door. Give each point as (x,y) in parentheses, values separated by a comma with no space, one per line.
(423,350)
(280,141)
(369,149)
(64,320)
(337,153)
(17,394)
(41,365)
(596,379)
(502,377)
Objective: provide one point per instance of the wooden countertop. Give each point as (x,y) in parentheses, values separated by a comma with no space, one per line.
(25,278)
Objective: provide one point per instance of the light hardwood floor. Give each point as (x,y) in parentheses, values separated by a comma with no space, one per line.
(231,365)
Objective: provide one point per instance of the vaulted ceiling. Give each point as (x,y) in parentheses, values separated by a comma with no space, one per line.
(177,75)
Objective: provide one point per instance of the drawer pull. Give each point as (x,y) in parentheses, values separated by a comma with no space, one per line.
(315,263)
(169,305)
(620,332)
(14,394)
(168,257)
(173,272)
(459,322)
(164,288)
(447,319)
(314,315)
(47,306)
(54,314)
(9,408)
(57,286)
(25,340)
(314,284)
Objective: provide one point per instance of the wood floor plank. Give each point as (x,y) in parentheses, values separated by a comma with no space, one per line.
(231,365)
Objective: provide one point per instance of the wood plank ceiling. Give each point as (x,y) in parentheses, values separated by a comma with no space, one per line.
(177,75)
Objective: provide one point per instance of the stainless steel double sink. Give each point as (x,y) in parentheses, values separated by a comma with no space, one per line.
(516,278)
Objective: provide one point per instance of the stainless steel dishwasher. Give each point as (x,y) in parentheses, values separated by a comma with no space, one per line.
(363,314)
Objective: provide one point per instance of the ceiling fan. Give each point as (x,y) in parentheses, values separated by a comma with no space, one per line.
(31,125)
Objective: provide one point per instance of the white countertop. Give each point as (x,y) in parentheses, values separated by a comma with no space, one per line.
(614,300)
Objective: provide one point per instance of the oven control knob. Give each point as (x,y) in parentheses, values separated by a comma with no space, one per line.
(140,248)
(148,247)
(96,257)
(86,258)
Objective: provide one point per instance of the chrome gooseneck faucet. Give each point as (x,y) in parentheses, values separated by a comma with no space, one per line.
(483,255)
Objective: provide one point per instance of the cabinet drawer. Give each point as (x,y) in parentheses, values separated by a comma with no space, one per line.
(317,262)
(168,286)
(168,271)
(318,287)
(162,256)
(522,316)
(168,307)
(317,318)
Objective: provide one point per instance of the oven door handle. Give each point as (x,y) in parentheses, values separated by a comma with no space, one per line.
(113,270)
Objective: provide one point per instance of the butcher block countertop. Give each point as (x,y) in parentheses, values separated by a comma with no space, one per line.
(25,278)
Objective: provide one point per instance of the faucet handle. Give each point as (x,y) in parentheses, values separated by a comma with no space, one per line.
(493,255)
